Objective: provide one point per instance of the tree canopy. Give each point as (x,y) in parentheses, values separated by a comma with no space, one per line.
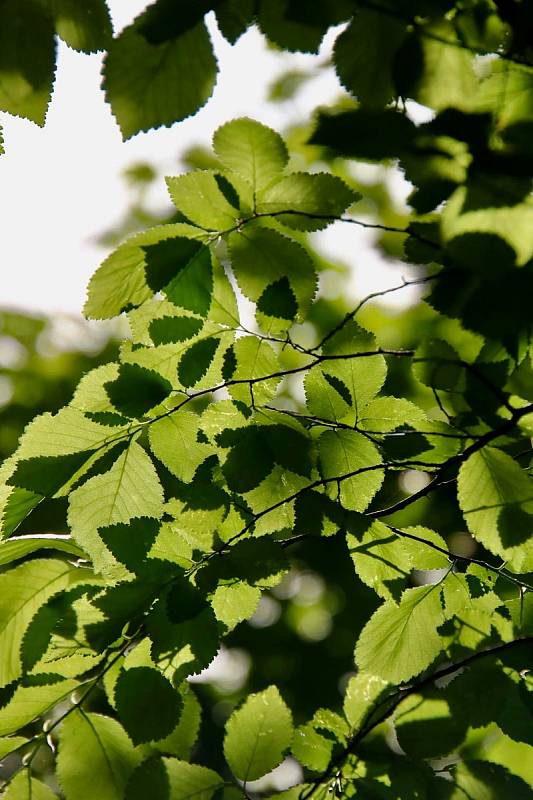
(256,449)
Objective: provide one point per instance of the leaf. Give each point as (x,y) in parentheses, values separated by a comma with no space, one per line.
(496,498)
(432,69)
(485,780)
(68,431)
(192,286)
(31,702)
(23,787)
(366,134)
(197,195)
(364,56)
(379,556)
(196,361)
(235,602)
(182,738)
(23,590)
(312,200)
(86,27)
(47,475)
(385,414)
(159,23)
(137,390)
(137,77)
(400,641)
(363,376)
(260,257)
(254,358)
(128,490)
(257,734)
(436,364)
(125,278)
(278,301)
(27,62)
(148,780)
(174,441)
(188,781)
(255,152)
(327,396)
(147,705)
(234,17)
(174,329)
(362,693)
(108,757)
(349,457)
(426,728)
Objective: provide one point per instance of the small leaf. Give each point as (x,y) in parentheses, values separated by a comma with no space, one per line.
(312,200)
(174,441)
(24,787)
(257,735)
(137,75)
(137,390)
(27,62)
(192,287)
(349,457)
(108,757)
(198,197)
(379,556)
(362,693)
(174,329)
(252,150)
(196,361)
(399,641)
(191,781)
(147,704)
(83,26)
(278,301)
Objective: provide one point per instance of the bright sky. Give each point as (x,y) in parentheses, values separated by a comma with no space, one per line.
(62,185)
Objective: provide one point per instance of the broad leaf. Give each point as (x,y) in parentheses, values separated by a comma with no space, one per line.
(108,757)
(257,735)
(147,705)
(137,75)
(354,462)
(252,150)
(399,641)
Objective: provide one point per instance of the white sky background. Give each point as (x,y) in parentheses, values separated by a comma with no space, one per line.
(61,186)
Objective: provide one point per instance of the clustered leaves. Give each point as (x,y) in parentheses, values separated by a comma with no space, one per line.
(190,469)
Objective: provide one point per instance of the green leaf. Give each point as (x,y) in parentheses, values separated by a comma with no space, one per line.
(147,705)
(436,364)
(254,358)
(278,301)
(496,498)
(327,396)
(191,781)
(196,361)
(192,286)
(257,735)
(23,590)
(128,490)
(255,152)
(148,780)
(261,256)
(368,135)
(174,441)
(46,475)
(384,414)
(137,390)
(181,740)
(481,779)
(362,693)
(174,329)
(379,556)
(23,787)
(363,376)
(152,85)
(433,68)
(108,757)
(68,431)
(85,26)
(364,56)
(10,744)
(234,17)
(197,195)
(399,641)
(312,201)
(31,702)
(159,23)
(126,278)
(27,59)
(235,602)
(426,727)
(349,457)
